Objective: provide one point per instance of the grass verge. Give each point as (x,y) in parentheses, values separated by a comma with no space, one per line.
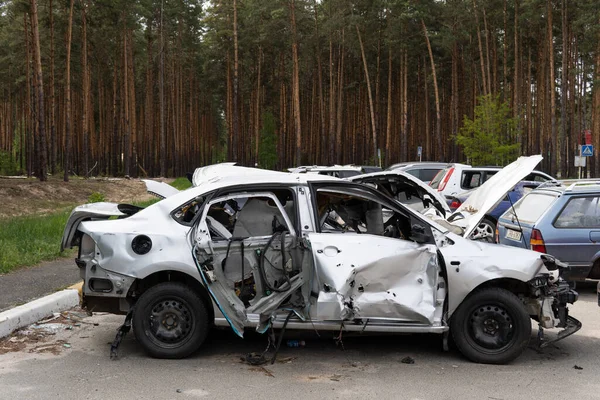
(181,183)
(28,240)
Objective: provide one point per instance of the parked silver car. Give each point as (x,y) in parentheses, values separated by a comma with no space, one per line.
(248,248)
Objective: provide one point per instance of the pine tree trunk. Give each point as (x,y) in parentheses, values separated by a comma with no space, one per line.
(84,114)
(126,108)
(388,124)
(43,149)
(322,156)
(564,92)
(553,139)
(234,156)
(296,83)
(332,109)
(481,60)
(257,108)
(67,149)
(53,140)
(438,118)
(372,111)
(161,94)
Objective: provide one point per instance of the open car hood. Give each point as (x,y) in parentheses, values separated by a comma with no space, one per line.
(403,187)
(160,189)
(487,196)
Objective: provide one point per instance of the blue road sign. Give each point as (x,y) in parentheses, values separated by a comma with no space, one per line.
(419,151)
(587,150)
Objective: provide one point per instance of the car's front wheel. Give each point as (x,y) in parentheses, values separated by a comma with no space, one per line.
(491,326)
(485,231)
(170,320)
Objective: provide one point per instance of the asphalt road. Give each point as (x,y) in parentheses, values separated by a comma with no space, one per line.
(26,284)
(368,367)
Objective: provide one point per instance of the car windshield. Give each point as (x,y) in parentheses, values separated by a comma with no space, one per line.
(531,207)
(435,182)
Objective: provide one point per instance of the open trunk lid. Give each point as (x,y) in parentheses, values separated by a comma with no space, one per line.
(93,211)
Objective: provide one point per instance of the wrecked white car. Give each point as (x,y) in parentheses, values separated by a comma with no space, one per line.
(303,251)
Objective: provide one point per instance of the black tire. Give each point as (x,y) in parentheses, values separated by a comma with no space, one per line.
(170,320)
(487,228)
(491,327)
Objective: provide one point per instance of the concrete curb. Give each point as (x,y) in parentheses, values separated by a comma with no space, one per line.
(31,312)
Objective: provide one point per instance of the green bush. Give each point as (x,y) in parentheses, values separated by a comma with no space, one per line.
(96,198)
(491,137)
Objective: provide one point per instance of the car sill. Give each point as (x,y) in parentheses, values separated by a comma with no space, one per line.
(350,327)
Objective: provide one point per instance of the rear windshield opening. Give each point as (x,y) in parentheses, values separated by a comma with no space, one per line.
(531,207)
(437,179)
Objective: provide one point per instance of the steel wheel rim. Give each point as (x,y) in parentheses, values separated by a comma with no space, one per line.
(490,328)
(169,322)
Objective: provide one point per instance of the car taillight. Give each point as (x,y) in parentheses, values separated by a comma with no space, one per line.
(455,204)
(537,241)
(446,179)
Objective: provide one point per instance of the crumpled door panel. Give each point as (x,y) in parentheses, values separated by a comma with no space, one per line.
(367,276)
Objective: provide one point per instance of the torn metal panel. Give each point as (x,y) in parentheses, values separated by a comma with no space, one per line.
(159,189)
(259,266)
(393,279)
(84,212)
(402,187)
(471,263)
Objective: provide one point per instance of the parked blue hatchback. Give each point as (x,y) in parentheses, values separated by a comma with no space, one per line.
(563,221)
(488,223)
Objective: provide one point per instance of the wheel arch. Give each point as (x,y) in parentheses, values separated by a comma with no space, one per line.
(143,284)
(513,285)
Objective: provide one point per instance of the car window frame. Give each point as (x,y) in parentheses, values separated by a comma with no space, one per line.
(235,195)
(207,196)
(555,197)
(373,195)
(566,204)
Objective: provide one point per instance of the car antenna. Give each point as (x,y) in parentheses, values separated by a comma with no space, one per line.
(512,206)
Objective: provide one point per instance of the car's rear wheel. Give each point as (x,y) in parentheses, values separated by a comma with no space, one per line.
(491,326)
(170,320)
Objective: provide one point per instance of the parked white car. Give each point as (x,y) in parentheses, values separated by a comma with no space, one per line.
(248,248)
(456,179)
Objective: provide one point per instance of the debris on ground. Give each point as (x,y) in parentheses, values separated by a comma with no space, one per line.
(577,367)
(407,360)
(263,370)
(37,336)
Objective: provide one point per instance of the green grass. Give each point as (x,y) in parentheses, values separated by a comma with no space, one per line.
(28,240)
(181,183)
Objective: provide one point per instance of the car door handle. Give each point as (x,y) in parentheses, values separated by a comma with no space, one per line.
(595,236)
